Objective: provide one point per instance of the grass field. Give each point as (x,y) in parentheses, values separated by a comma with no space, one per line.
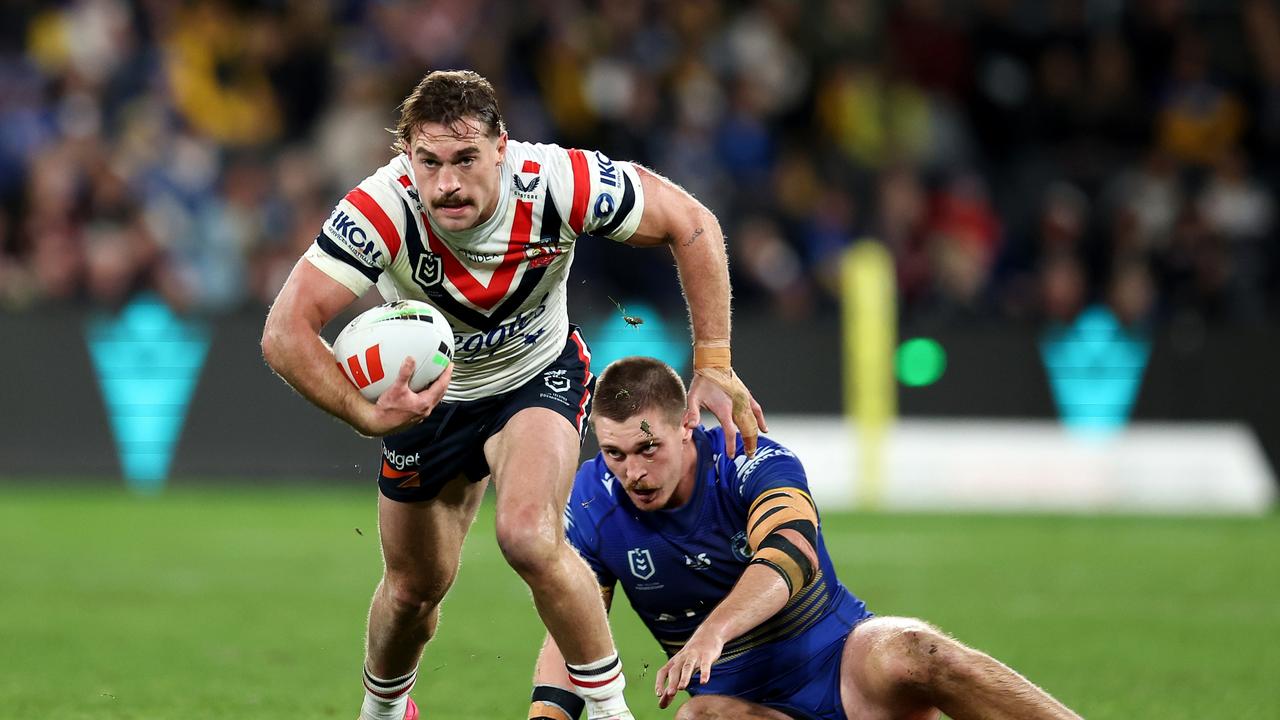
(250,604)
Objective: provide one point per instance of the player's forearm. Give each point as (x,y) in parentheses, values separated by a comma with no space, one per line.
(296,352)
(698,246)
(758,595)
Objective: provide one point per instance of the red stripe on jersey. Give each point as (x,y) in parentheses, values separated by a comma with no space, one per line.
(373,361)
(594,683)
(371,210)
(404,181)
(530,166)
(585,356)
(581,189)
(481,295)
(357,373)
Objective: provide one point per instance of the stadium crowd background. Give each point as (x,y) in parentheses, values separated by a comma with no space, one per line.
(1020,159)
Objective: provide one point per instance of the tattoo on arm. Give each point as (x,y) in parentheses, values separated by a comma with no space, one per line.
(696,234)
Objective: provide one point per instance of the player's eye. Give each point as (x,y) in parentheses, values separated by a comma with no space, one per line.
(614,454)
(649,450)
(431,163)
(467,161)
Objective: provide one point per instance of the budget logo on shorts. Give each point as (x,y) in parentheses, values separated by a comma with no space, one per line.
(556,381)
(428,270)
(641,563)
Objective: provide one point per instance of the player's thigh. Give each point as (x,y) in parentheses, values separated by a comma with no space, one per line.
(422,541)
(533,460)
(867,687)
(724,707)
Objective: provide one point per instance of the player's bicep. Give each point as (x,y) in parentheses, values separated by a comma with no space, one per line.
(782,531)
(310,296)
(670,213)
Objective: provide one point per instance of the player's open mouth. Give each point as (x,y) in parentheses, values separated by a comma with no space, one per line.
(645,496)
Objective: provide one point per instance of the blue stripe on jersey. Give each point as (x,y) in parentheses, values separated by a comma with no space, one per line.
(331,248)
(624,209)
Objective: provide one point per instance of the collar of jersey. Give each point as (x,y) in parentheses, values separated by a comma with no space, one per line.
(487,228)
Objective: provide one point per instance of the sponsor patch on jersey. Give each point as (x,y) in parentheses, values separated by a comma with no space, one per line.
(541,254)
(526,186)
(345,230)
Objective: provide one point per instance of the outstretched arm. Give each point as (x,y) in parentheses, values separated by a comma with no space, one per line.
(674,218)
(782,532)
(292,346)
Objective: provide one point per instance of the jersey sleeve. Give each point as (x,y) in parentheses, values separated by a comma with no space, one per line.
(597,195)
(774,467)
(361,236)
(580,524)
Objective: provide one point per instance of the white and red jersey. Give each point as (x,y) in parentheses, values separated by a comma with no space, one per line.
(502,283)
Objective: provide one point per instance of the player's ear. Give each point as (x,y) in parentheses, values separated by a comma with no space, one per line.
(502,147)
(689,421)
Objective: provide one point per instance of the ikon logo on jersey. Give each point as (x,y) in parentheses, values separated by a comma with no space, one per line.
(372,363)
(641,563)
(343,228)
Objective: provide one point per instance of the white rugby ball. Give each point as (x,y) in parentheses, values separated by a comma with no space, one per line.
(371,348)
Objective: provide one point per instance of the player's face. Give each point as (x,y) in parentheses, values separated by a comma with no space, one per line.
(456,170)
(653,457)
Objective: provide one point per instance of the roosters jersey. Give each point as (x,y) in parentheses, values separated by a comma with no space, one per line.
(676,565)
(500,284)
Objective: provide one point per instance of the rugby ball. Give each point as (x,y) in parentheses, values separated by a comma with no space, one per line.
(371,348)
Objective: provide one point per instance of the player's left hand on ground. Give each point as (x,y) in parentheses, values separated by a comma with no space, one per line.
(719,390)
(697,655)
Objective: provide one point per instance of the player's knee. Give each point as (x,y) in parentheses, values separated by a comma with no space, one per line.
(411,595)
(528,543)
(911,655)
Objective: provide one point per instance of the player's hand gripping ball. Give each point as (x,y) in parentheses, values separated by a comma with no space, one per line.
(371,348)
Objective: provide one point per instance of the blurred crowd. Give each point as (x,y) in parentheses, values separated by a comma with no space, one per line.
(1020,160)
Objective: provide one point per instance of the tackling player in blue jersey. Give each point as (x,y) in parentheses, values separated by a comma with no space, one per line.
(723,559)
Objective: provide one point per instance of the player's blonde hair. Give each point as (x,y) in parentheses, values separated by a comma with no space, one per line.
(636,384)
(449,97)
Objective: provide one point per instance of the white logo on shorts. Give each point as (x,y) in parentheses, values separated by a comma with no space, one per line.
(556,381)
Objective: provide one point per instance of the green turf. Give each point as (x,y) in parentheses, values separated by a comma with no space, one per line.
(250,604)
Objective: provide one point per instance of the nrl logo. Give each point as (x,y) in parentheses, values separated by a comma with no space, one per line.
(525,190)
(641,563)
(428,270)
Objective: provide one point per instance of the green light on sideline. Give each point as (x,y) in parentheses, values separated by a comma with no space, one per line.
(920,362)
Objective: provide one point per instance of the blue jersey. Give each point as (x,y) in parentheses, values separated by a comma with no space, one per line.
(676,565)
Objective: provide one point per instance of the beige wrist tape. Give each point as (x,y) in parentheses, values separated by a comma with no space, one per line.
(711,357)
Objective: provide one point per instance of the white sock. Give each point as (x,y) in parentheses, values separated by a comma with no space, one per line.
(386,699)
(600,683)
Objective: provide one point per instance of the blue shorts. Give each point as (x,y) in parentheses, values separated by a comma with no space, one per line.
(418,462)
(800,676)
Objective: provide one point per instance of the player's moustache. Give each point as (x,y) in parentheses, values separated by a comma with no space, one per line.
(452,202)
